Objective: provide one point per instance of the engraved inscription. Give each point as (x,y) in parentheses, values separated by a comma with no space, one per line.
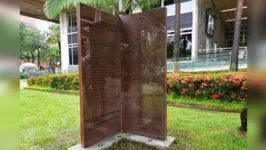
(103,74)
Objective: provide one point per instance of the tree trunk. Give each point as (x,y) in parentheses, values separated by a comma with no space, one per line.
(39,62)
(28,58)
(176,52)
(32,57)
(59,45)
(235,50)
(48,65)
(162,3)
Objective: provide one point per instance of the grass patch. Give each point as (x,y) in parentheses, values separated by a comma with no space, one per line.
(51,121)
(209,102)
(48,121)
(170,99)
(195,129)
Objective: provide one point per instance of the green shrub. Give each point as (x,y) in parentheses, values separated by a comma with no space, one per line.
(56,81)
(23,76)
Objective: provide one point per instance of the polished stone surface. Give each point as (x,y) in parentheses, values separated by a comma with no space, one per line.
(99,73)
(122,72)
(143,65)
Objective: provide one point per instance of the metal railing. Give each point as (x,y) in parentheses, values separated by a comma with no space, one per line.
(211,59)
(221,54)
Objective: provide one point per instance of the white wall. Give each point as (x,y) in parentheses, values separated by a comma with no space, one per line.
(64,41)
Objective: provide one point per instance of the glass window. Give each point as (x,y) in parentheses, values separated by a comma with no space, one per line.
(73,55)
(243,37)
(170,2)
(185,46)
(72,24)
(73,40)
(70,56)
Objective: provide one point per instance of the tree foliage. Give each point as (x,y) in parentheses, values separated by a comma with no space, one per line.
(53,8)
(54,34)
(54,38)
(50,52)
(30,41)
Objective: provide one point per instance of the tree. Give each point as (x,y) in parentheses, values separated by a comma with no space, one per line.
(30,41)
(176,52)
(50,53)
(53,8)
(54,37)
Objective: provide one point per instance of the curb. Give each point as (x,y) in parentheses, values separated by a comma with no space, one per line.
(204,107)
(53,91)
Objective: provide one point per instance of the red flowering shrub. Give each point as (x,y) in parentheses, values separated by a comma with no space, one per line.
(215,96)
(56,81)
(219,86)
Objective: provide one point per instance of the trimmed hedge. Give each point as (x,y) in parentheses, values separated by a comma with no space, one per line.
(56,81)
(217,86)
(23,76)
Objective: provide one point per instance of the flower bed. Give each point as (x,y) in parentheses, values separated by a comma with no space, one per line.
(217,86)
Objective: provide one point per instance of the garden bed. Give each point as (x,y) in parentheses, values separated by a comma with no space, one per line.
(217,86)
(223,86)
(202,104)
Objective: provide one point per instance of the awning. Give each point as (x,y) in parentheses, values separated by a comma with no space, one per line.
(227,11)
(34,9)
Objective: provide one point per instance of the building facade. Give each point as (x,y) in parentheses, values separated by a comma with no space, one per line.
(206,37)
(68,24)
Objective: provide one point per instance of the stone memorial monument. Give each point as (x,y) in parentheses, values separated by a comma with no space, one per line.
(122,71)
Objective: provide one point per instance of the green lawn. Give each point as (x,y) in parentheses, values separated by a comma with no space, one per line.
(51,121)
(172,99)
(48,120)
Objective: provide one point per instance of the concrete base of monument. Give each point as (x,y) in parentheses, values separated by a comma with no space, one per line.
(108,142)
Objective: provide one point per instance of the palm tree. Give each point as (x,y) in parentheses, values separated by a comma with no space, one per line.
(53,8)
(235,50)
(177,38)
